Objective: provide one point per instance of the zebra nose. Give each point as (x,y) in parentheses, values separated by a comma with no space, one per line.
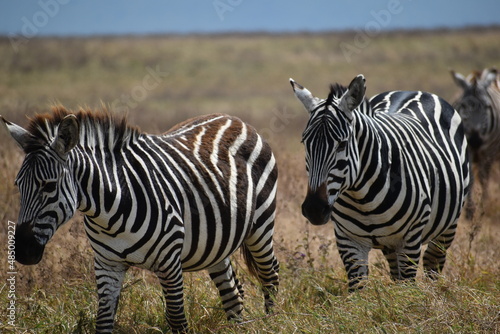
(28,250)
(474,140)
(316,209)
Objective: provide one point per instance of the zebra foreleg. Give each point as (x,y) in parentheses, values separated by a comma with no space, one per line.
(392,259)
(355,259)
(109,284)
(403,265)
(484,174)
(230,291)
(435,254)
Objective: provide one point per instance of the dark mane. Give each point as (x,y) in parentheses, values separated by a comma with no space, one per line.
(337,90)
(42,126)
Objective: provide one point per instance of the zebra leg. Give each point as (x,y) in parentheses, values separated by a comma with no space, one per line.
(392,259)
(403,265)
(172,284)
(355,259)
(238,285)
(262,263)
(109,284)
(230,291)
(435,254)
(484,175)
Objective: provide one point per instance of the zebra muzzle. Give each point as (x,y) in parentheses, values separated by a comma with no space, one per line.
(316,208)
(28,249)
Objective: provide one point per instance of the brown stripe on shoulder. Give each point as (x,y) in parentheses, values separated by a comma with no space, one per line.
(193,122)
(187,132)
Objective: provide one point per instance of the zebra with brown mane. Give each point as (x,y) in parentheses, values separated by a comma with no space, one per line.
(181,201)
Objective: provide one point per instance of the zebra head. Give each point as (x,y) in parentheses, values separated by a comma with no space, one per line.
(475,104)
(48,195)
(328,140)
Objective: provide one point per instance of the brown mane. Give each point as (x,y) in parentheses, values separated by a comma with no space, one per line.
(42,126)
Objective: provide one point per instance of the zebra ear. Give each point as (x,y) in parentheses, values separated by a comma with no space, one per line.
(20,135)
(67,135)
(354,95)
(460,80)
(488,77)
(304,95)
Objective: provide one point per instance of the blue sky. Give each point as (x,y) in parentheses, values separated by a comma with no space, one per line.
(79,17)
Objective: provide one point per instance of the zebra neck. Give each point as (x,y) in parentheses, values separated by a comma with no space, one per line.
(373,153)
(97,171)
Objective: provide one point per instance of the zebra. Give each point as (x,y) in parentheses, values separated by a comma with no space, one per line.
(181,201)
(392,173)
(479,106)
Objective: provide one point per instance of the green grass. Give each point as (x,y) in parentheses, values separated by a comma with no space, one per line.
(247,76)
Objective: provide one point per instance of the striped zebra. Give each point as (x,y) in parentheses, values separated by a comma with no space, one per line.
(172,203)
(479,106)
(392,173)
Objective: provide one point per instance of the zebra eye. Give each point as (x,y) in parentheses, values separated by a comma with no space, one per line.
(342,145)
(49,187)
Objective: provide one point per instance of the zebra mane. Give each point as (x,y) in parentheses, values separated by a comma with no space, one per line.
(95,126)
(336,92)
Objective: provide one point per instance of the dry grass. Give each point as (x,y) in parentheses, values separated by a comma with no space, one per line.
(247,76)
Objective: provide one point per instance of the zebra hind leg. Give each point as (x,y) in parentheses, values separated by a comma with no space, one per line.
(109,284)
(263,264)
(435,254)
(172,284)
(230,289)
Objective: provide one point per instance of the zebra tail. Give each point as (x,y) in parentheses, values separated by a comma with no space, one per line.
(249,261)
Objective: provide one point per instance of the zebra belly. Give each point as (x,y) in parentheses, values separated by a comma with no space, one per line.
(391,223)
(145,248)
(393,229)
(391,235)
(201,252)
(161,250)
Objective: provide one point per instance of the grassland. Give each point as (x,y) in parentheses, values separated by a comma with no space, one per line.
(161,80)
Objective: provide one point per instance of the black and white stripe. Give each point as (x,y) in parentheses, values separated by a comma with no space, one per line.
(182,201)
(392,173)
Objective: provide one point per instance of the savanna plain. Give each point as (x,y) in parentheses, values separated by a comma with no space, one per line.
(158,81)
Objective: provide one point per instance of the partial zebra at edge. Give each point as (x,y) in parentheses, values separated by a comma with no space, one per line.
(478,104)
